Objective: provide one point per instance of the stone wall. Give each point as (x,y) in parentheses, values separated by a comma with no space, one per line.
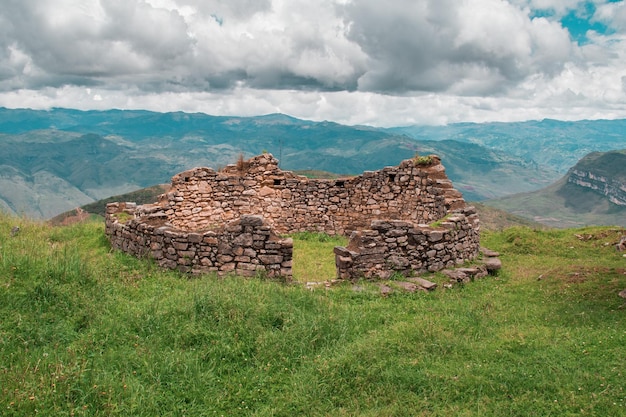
(229,220)
(405,248)
(245,246)
(202,197)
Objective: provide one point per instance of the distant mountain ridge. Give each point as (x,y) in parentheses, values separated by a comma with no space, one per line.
(592,193)
(551,143)
(56,160)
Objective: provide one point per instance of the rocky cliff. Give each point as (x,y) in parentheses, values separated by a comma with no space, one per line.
(603,173)
(613,190)
(592,193)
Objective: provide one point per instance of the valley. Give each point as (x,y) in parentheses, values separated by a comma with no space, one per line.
(54,161)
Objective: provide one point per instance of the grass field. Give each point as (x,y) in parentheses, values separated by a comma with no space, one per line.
(86,331)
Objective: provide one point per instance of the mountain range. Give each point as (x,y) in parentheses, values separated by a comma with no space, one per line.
(593,192)
(52,161)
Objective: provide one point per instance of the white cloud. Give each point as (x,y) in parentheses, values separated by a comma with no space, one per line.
(613,14)
(365,61)
(477,47)
(559,7)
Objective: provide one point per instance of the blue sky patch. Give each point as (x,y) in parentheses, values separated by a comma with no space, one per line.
(579,22)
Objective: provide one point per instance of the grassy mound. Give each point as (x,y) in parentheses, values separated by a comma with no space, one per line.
(89,331)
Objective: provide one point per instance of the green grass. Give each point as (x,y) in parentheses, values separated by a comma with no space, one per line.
(315,257)
(85,331)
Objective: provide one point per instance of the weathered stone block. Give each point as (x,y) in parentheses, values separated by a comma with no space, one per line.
(492,264)
(251,220)
(244,239)
(195,237)
(244,266)
(398,262)
(424,283)
(270,259)
(180,245)
(407,286)
(435,236)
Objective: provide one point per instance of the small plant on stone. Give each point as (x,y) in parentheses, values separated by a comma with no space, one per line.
(422,160)
(242,164)
(439,222)
(123,217)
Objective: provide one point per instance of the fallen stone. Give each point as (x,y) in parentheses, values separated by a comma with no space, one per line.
(456,275)
(489,253)
(424,283)
(407,286)
(475,272)
(622,293)
(492,264)
(385,290)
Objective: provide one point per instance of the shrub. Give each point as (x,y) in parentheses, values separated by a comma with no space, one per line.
(422,160)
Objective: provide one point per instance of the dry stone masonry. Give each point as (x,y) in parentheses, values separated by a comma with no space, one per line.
(403,247)
(246,246)
(400,219)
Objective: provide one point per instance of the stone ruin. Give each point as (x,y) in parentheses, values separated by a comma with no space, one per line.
(404,219)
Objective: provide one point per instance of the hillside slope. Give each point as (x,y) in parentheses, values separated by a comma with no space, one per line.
(593,192)
(549,143)
(61,159)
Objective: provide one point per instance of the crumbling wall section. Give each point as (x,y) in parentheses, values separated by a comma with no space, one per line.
(245,246)
(202,197)
(390,247)
(400,219)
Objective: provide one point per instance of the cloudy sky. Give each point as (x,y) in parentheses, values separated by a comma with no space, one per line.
(383,63)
